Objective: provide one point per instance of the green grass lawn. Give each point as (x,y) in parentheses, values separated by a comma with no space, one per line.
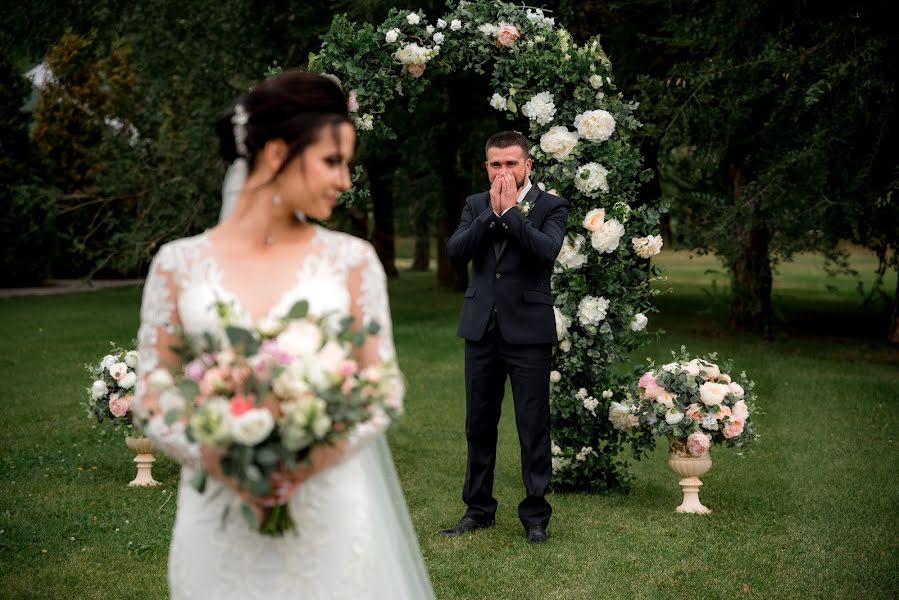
(811,513)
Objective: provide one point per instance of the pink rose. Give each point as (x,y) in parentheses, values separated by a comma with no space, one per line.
(213,381)
(240,405)
(415,70)
(507,34)
(347,386)
(733,429)
(693,412)
(723,411)
(352,104)
(347,368)
(698,443)
(119,406)
(647,379)
(195,370)
(665,398)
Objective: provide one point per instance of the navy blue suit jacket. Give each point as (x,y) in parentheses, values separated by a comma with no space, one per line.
(516,282)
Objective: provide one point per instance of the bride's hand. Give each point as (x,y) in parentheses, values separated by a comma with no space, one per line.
(212,458)
(320,458)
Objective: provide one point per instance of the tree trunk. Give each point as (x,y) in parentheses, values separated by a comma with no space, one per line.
(751,277)
(384,234)
(421,253)
(894,321)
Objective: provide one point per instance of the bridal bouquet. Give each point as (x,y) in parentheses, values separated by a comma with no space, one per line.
(698,403)
(263,398)
(110,394)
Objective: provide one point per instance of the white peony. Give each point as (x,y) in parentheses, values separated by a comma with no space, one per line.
(570,256)
(621,416)
(740,411)
(736,390)
(607,237)
(131,359)
(498,102)
(607,394)
(595,125)
(438,38)
(99,389)
(441,24)
(562,323)
(712,394)
(160,379)
(591,310)
(252,427)
(596,81)
(594,219)
(291,383)
(673,416)
(558,142)
(108,361)
(117,370)
(128,380)
(301,338)
(565,345)
(413,19)
(590,179)
(555,377)
(540,108)
(646,247)
(638,323)
(456,25)
(391,36)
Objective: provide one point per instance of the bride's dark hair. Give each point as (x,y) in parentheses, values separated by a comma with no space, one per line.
(294,107)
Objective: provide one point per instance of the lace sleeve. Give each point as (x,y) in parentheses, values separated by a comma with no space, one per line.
(369,302)
(159,323)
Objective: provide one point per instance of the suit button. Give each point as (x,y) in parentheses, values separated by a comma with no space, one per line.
(499,275)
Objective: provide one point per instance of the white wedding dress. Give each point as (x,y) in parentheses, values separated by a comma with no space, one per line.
(354,539)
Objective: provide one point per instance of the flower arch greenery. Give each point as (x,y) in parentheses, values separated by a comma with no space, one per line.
(584,153)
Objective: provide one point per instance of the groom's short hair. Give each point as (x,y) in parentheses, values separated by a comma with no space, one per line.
(505,139)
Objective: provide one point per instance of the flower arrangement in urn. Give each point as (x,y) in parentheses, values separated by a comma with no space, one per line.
(111,392)
(695,403)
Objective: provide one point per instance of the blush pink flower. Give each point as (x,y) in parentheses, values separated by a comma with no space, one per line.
(693,412)
(647,380)
(119,406)
(195,370)
(723,411)
(347,386)
(415,70)
(507,34)
(352,104)
(698,443)
(347,368)
(240,405)
(732,429)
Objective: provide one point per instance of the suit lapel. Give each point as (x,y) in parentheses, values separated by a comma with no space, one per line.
(529,198)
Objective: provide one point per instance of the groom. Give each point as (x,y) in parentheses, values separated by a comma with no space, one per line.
(512,235)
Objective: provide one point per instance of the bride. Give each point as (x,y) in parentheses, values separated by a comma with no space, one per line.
(354,538)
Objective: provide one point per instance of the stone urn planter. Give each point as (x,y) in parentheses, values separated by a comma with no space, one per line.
(143,448)
(690,468)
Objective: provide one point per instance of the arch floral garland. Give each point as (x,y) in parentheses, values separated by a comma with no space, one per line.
(583,153)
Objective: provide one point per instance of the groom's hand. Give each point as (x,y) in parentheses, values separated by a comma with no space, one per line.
(496,194)
(509,193)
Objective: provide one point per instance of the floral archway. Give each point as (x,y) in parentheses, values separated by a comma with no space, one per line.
(583,152)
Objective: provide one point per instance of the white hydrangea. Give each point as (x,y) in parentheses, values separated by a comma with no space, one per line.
(570,256)
(456,25)
(648,246)
(638,323)
(488,29)
(560,463)
(413,19)
(596,81)
(540,108)
(498,102)
(538,18)
(413,54)
(558,142)
(562,323)
(565,345)
(590,179)
(392,35)
(584,453)
(591,310)
(607,237)
(582,393)
(595,125)
(607,394)
(364,122)
(590,403)
(555,449)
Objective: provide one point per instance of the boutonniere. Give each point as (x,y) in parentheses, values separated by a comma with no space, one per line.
(525,207)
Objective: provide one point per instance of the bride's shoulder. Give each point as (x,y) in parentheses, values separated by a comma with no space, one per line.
(347,243)
(176,251)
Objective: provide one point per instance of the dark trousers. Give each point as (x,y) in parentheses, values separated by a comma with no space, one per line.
(487,364)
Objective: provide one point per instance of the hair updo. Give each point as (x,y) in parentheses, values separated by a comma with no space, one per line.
(294,107)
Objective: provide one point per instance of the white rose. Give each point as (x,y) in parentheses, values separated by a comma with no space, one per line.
(540,108)
(456,25)
(131,359)
(117,370)
(670,367)
(638,323)
(290,383)
(441,23)
(620,416)
(391,36)
(321,425)
(252,427)
(171,400)
(592,310)
(736,390)
(565,345)
(558,142)
(555,377)
(301,338)
(108,361)
(488,29)
(438,38)
(646,247)
(595,125)
(673,416)
(498,102)
(562,323)
(712,394)
(128,380)
(99,389)
(607,237)
(160,379)
(590,179)
(269,326)
(596,81)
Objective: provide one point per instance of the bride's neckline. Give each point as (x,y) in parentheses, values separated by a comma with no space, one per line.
(284,299)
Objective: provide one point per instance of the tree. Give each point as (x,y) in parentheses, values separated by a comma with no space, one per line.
(764,119)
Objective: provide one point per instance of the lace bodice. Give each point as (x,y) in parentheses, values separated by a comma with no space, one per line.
(338,275)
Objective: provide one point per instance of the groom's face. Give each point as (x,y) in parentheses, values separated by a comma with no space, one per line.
(511,159)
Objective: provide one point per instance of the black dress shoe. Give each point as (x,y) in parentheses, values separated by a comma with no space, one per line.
(465,525)
(536,534)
